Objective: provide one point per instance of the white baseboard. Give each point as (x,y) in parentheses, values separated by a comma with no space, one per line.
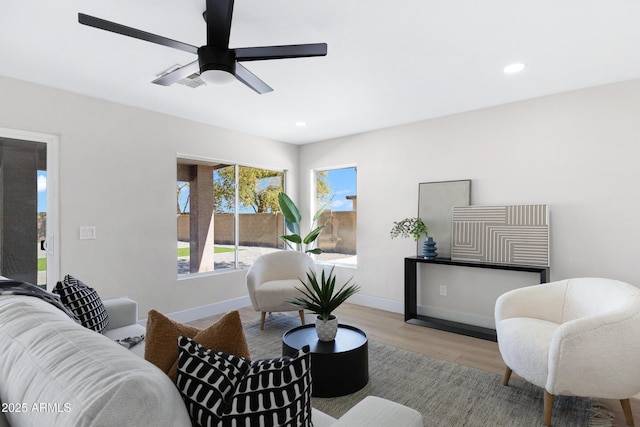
(196,313)
(385,304)
(377,302)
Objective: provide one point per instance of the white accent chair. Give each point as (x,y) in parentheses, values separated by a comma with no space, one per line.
(273,278)
(577,337)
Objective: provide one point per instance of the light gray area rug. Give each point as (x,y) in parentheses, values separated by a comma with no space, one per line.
(447,394)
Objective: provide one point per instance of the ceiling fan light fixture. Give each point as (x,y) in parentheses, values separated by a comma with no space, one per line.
(217,65)
(217,77)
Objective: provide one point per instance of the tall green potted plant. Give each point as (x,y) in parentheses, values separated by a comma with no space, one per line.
(321,297)
(292,218)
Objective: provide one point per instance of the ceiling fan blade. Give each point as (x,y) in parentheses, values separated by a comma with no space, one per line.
(92,21)
(280,52)
(251,80)
(178,74)
(218,16)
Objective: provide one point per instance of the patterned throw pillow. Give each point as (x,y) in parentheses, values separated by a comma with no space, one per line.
(84,302)
(224,390)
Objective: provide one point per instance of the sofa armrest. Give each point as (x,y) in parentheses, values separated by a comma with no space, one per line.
(374,411)
(122,312)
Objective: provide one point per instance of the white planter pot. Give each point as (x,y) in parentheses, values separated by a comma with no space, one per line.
(327,330)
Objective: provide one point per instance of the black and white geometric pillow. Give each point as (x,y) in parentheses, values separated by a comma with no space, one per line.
(84,302)
(223,390)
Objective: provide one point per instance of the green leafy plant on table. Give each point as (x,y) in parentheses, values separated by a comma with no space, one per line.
(320,296)
(409,227)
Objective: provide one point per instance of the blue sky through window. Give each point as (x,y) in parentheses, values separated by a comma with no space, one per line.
(342,183)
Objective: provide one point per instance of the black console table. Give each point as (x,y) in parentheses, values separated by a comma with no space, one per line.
(411,294)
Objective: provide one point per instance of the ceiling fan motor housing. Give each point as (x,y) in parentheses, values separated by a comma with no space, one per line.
(216,58)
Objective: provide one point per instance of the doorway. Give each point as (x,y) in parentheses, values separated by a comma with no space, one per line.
(28,207)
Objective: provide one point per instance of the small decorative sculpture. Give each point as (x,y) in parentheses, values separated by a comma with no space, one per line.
(429,249)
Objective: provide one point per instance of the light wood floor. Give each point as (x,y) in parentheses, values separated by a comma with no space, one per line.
(390,328)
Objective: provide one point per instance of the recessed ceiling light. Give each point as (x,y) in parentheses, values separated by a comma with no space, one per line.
(301,124)
(514,68)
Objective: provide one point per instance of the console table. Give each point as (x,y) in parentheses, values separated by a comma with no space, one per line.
(411,294)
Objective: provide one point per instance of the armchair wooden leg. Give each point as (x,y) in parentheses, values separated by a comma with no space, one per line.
(301,313)
(548,408)
(262,317)
(507,376)
(626,408)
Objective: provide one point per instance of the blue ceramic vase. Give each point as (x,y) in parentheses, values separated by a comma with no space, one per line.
(429,249)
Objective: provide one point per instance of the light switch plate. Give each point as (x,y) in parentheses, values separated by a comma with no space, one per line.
(87,232)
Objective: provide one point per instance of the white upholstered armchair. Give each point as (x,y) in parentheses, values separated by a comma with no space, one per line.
(272,279)
(578,337)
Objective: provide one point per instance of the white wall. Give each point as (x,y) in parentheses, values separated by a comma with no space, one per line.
(119,162)
(577,152)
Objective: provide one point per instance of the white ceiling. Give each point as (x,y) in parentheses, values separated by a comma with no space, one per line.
(388,63)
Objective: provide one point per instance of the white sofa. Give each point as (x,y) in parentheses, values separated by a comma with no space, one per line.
(123,322)
(55,372)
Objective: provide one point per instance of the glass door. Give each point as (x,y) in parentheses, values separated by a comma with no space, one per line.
(27,214)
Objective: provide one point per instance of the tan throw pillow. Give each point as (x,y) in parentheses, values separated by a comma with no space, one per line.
(161,348)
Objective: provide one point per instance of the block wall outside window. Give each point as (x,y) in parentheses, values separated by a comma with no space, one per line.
(337,188)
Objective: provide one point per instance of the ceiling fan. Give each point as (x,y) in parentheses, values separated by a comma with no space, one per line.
(216,62)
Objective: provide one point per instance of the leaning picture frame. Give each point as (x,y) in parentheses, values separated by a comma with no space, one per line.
(435,207)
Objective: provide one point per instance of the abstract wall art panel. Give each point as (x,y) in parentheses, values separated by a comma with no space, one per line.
(517,234)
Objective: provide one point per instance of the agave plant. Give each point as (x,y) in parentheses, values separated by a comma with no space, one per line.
(320,296)
(292,220)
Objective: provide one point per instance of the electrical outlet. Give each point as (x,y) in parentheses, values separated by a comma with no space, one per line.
(443,290)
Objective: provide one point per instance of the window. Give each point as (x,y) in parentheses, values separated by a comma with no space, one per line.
(227,215)
(336,188)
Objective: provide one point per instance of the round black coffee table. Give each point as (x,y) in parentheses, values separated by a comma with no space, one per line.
(339,367)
